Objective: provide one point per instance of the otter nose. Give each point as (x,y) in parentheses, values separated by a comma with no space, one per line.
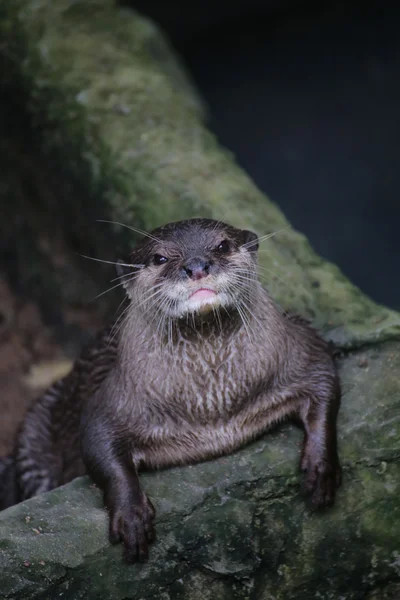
(196,268)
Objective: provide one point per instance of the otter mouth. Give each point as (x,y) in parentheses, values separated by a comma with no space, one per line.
(203,294)
(202,300)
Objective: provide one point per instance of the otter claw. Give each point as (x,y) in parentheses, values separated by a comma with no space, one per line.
(133,526)
(321,481)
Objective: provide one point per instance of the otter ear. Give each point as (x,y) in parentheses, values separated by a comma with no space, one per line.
(250,240)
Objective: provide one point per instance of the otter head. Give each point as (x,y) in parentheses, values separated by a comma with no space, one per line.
(192,268)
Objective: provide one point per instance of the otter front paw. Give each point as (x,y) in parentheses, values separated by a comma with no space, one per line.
(321,479)
(132,524)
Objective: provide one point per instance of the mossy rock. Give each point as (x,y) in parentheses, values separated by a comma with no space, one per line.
(236,527)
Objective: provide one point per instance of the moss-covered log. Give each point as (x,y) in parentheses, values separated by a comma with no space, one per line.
(100,122)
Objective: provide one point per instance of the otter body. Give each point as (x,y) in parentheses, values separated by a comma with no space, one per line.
(203,363)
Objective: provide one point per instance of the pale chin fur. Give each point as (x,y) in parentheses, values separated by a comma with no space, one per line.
(185,304)
(202,305)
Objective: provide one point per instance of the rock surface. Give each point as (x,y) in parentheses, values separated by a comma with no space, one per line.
(118,134)
(236,527)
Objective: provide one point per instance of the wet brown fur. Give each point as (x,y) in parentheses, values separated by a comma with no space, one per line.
(175,385)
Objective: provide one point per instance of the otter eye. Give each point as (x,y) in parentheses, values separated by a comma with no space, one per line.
(159,260)
(223,247)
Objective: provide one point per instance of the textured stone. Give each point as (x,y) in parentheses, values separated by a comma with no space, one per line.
(236,527)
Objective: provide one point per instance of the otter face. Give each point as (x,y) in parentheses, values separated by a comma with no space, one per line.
(193,267)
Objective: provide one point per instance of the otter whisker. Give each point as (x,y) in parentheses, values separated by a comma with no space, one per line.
(250,322)
(244,320)
(160,302)
(118,323)
(160,315)
(137,305)
(263,276)
(245,278)
(164,325)
(245,274)
(133,306)
(154,292)
(135,229)
(249,281)
(263,237)
(217,316)
(121,283)
(220,221)
(254,319)
(155,289)
(123,276)
(248,296)
(170,339)
(110,262)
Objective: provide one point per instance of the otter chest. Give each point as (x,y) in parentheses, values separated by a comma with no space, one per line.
(207,385)
(198,404)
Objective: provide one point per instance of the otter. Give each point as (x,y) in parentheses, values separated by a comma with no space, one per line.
(202,363)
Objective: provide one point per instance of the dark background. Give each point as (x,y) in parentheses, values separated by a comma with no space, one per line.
(307,96)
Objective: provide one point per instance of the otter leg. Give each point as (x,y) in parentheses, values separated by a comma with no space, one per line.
(319,458)
(130,511)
